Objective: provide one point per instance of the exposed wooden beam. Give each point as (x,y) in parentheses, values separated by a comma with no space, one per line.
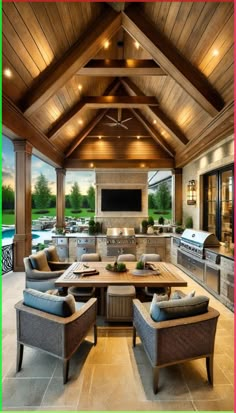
(15,120)
(120,101)
(121,67)
(65,119)
(220,127)
(153,132)
(168,57)
(163,119)
(85,132)
(78,55)
(115,164)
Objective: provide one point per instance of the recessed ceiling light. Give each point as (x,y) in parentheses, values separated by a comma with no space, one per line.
(154,122)
(137,45)
(80,122)
(99,137)
(215,52)
(106,44)
(138,137)
(142,165)
(7,72)
(91,165)
(80,87)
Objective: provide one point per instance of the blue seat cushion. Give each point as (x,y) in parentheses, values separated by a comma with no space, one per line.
(53,304)
(186,307)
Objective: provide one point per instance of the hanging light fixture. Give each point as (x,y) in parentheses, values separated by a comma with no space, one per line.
(191,192)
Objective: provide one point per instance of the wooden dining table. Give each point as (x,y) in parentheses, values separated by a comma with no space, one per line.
(169,276)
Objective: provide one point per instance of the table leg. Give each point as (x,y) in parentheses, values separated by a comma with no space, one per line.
(102,301)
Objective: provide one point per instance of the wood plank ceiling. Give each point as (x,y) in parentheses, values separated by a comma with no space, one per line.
(118,84)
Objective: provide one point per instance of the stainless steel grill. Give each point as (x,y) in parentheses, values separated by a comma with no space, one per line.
(120,240)
(195,241)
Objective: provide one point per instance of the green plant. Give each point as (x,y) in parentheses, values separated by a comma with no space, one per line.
(179,230)
(189,222)
(144,226)
(150,220)
(140,265)
(161,221)
(121,266)
(92,227)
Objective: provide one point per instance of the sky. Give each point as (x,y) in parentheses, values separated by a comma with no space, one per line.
(84,178)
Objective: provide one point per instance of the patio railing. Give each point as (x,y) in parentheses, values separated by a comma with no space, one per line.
(7,258)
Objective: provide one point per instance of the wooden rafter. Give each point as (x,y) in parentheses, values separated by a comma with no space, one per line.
(120,101)
(167,56)
(85,132)
(153,132)
(163,119)
(65,119)
(121,67)
(59,73)
(15,120)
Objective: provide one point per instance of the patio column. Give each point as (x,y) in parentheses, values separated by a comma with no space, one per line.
(61,173)
(177,194)
(23,237)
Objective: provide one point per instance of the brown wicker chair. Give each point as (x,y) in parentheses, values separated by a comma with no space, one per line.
(54,260)
(58,336)
(175,341)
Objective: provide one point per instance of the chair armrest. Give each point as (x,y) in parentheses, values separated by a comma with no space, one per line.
(58,265)
(44,275)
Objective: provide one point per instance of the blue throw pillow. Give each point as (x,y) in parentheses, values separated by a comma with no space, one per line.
(53,304)
(186,307)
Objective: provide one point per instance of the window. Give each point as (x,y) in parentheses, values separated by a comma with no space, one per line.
(218,203)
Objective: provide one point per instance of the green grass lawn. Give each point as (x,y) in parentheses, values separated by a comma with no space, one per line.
(9,219)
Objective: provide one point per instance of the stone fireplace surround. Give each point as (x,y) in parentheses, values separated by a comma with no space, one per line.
(121,179)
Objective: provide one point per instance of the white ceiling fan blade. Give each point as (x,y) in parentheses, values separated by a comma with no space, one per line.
(119,114)
(126,120)
(114,120)
(123,126)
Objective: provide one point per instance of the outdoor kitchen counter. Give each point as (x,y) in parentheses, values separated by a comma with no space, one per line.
(221,251)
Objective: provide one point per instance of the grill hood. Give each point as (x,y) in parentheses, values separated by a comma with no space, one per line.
(199,238)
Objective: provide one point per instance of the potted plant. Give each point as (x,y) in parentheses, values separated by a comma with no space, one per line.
(144,226)
(92,227)
(161,221)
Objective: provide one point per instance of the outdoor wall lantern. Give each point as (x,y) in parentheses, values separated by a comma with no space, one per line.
(191,192)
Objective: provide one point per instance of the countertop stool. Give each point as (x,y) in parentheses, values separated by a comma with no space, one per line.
(120,302)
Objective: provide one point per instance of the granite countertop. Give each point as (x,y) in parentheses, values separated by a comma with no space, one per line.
(221,250)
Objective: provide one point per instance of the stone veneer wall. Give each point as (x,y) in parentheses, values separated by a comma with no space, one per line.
(218,156)
(121,179)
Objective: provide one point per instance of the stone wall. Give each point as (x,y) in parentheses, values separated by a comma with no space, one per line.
(121,179)
(220,155)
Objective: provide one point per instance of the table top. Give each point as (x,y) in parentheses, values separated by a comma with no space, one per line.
(170,276)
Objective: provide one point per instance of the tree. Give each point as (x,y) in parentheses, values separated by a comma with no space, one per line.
(163,197)
(91,197)
(8,197)
(75,197)
(151,201)
(42,192)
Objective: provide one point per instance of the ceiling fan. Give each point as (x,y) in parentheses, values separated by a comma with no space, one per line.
(117,122)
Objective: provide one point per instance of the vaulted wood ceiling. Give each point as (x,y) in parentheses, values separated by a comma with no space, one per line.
(168,67)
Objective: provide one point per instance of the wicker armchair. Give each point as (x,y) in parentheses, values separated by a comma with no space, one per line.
(55,335)
(39,275)
(175,341)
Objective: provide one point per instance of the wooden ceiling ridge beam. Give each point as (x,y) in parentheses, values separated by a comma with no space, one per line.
(220,127)
(120,101)
(85,132)
(155,135)
(57,74)
(171,61)
(122,67)
(164,120)
(65,119)
(14,120)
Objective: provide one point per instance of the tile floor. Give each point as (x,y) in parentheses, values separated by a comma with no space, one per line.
(112,376)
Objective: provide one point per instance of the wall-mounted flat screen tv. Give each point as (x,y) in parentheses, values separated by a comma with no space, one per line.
(121,200)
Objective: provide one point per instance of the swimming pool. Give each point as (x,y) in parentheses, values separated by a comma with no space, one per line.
(37,236)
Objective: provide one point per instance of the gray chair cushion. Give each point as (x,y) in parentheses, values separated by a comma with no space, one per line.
(186,307)
(61,306)
(51,254)
(39,261)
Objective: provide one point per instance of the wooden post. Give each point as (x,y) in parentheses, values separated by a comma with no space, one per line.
(61,173)
(177,200)
(22,238)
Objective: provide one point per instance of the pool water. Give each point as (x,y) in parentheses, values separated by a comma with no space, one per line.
(37,236)
(9,233)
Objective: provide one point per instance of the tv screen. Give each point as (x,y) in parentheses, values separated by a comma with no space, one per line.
(121,200)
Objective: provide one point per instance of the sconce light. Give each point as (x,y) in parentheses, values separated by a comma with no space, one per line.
(191,192)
